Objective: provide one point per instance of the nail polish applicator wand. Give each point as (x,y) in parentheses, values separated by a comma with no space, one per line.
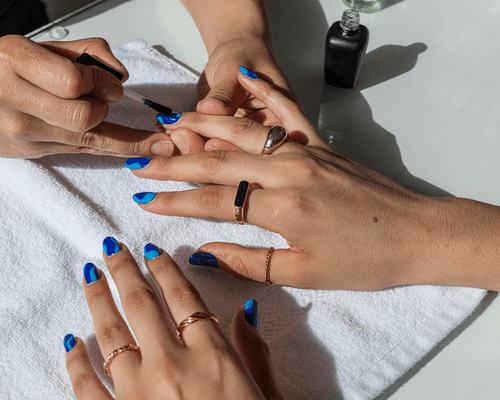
(87,59)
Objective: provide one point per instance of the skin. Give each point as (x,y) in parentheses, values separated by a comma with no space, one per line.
(206,366)
(347,226)
(64,104)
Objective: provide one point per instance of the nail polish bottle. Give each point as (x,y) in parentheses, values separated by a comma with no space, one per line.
(345,48)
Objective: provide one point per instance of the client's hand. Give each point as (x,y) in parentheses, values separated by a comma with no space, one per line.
(348,227)
(50,105)
(204,365)
(220,92)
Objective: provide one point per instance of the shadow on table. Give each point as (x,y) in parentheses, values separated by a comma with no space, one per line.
(346,119)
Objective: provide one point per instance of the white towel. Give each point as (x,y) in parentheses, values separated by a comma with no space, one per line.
(57,210)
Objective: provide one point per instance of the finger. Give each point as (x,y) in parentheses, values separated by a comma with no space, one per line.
(225,96)
(104,139)
(140,302)
(250,264)
(222,167)
(288,111)
(78,115)
(254,350)
(86,384)
(60,76)
(244,133)
(96,47)
(187,141)
(111,330)
(181,297)
(220,145)
(214,201)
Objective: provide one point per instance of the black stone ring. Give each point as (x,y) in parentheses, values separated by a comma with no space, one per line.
(240,202)
(275,138)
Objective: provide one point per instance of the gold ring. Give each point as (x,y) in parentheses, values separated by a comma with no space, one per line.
(268,266)
(275,138)
(197,316)
(240,202)
(111,357)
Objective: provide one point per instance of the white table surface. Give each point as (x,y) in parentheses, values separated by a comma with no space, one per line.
(426,113)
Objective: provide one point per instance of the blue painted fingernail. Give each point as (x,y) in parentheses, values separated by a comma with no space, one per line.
(151,251)
(69,342)
(204,259)
(252,313)
(248,73)
(91,273)
(171,119)
(144,197)
(137,163)
(110,246)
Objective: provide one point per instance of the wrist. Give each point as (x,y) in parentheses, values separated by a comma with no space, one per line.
(462,245)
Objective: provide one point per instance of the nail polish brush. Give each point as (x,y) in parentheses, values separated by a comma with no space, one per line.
(87,59)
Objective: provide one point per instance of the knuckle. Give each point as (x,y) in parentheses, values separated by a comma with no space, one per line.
(100,42)
(211,198)
(91,139)
(16,128)
(214,161)
(71,80)
(243,127)
(81,116)
(141,298)
(9,46)
(94,294)
(293,202)
(183,295)
(81,382)
(111,333)
(239,266)
(307,168)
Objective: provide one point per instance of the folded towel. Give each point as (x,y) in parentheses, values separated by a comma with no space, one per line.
(57,210)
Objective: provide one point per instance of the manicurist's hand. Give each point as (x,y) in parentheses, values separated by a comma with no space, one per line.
(203,365)
(235,33)
(348,227)
(50,105)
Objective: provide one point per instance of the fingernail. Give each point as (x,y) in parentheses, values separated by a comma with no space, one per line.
(171,119)
(137,163)
(69,342)
(110,246)
(252,313)
(113,93)
(144,197)
(91,273)
(162,148)
(204,259)
(151,251)
(248,73)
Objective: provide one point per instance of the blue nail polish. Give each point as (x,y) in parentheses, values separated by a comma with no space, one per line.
(91,273)
(171,119)
(151,251)
(252,313)
(137,163)
(248,73)
(110,246)
(204,259)
(69,342)
(144,197)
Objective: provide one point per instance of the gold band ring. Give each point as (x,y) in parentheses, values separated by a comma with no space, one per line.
(275,138)
(268,266)
(240,202)
(197,316)
(114,353)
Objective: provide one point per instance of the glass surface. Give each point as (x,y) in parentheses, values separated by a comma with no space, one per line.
(370,6)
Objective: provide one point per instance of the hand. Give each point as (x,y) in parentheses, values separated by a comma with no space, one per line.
(348,227)
(50,105)
(222,94)
(202,366)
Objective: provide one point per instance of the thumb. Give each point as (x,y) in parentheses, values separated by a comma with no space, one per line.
(253,349)
(286,267)
(224,98)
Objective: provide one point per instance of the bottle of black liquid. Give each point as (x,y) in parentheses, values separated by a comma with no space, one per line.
(345,48)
